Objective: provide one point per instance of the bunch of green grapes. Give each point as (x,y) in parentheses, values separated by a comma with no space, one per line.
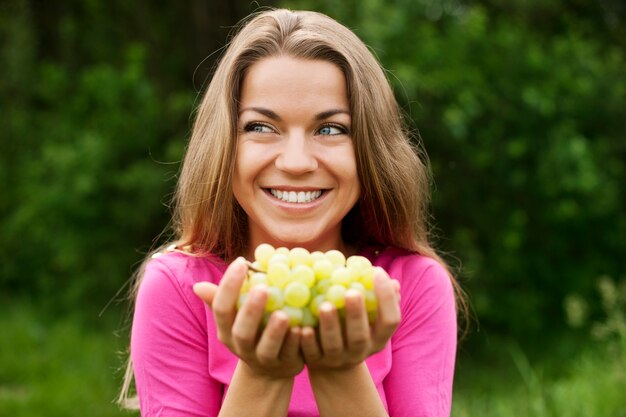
(299,281)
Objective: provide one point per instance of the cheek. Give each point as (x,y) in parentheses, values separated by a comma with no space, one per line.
(239,175)
(250,162)
(346,167)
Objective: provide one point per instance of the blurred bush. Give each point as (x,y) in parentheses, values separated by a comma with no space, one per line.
(90,145)
(521,107)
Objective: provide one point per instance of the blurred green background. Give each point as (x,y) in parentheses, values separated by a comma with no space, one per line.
(521,105)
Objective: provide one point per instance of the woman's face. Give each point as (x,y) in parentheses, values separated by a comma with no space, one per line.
(295,171)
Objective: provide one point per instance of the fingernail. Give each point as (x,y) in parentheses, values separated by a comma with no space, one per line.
(257,292)
(352,293)
(326,307)
(382,282)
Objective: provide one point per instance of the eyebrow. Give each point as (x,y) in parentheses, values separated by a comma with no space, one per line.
(329,113)
(265,112)
(274,116)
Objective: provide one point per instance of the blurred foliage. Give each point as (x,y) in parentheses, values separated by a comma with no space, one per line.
(56,368)
(96,105)
(520,104)
(82,186)
(521,107)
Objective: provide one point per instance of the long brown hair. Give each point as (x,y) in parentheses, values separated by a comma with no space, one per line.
(393,170)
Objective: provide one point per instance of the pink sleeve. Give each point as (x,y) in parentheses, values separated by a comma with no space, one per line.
(419,383)
(169,348)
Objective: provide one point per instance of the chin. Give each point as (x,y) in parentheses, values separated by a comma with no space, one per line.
(304,239)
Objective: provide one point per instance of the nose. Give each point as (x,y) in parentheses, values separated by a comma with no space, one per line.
(296,156)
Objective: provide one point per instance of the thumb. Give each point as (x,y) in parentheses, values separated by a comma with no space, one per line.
(205,291)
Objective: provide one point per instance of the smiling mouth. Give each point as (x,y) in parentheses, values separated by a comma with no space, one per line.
(296,196)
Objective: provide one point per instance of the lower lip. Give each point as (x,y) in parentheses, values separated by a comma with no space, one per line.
(296,206)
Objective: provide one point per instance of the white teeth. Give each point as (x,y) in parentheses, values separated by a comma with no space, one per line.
(296,197)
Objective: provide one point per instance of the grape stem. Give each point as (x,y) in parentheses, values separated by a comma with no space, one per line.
(252,268)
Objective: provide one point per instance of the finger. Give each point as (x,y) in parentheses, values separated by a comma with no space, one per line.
(230,284)
(394,282)
(205,291)
(388,317)
(357,325)
(271,341)
(396,286)
(310,347)
(291,347)
(330,330)
(227,294)
(246,326)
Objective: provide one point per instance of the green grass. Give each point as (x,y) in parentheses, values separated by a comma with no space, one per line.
(57,367)
(69,367)
(592,384)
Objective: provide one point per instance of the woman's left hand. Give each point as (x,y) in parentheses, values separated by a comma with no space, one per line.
(342,348)
(271,351)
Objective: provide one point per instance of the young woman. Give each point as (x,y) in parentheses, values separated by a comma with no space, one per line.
(298,142)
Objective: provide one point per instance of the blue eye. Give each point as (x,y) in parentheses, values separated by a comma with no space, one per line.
(331,130)
(258,128)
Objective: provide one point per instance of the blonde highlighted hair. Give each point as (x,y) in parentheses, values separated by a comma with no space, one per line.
(395,180)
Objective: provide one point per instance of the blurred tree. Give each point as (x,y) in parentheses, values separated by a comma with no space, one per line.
(96,103)
(520,104)
(521,108)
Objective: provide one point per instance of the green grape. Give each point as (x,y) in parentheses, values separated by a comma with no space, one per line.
(341,276)
(299,281)
(278,274)
(308,319)
(336,257)
(322,286)
(263,253)
(245,287)
(316,256)
(314,292)
(303,274)
(279,258)
(323,268)
(354,272)
(314,305)
(371,303)
(336,294)
(296,294)
(282,250)
(257,278)
(358,262)
(366,277)
(242,299)
(294,314)
(359,287)
(300,256)
(275,299)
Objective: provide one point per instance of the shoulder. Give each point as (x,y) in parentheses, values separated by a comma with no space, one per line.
(165,292)
(185,269)
(402,264)
(418,274)
(177,272)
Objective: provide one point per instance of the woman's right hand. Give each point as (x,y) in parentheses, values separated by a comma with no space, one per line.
(273,352)
(344,344)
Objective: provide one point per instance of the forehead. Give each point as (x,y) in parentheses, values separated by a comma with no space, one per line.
(288,81)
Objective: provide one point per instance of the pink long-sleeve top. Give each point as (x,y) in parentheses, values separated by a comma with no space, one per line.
(182,369)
